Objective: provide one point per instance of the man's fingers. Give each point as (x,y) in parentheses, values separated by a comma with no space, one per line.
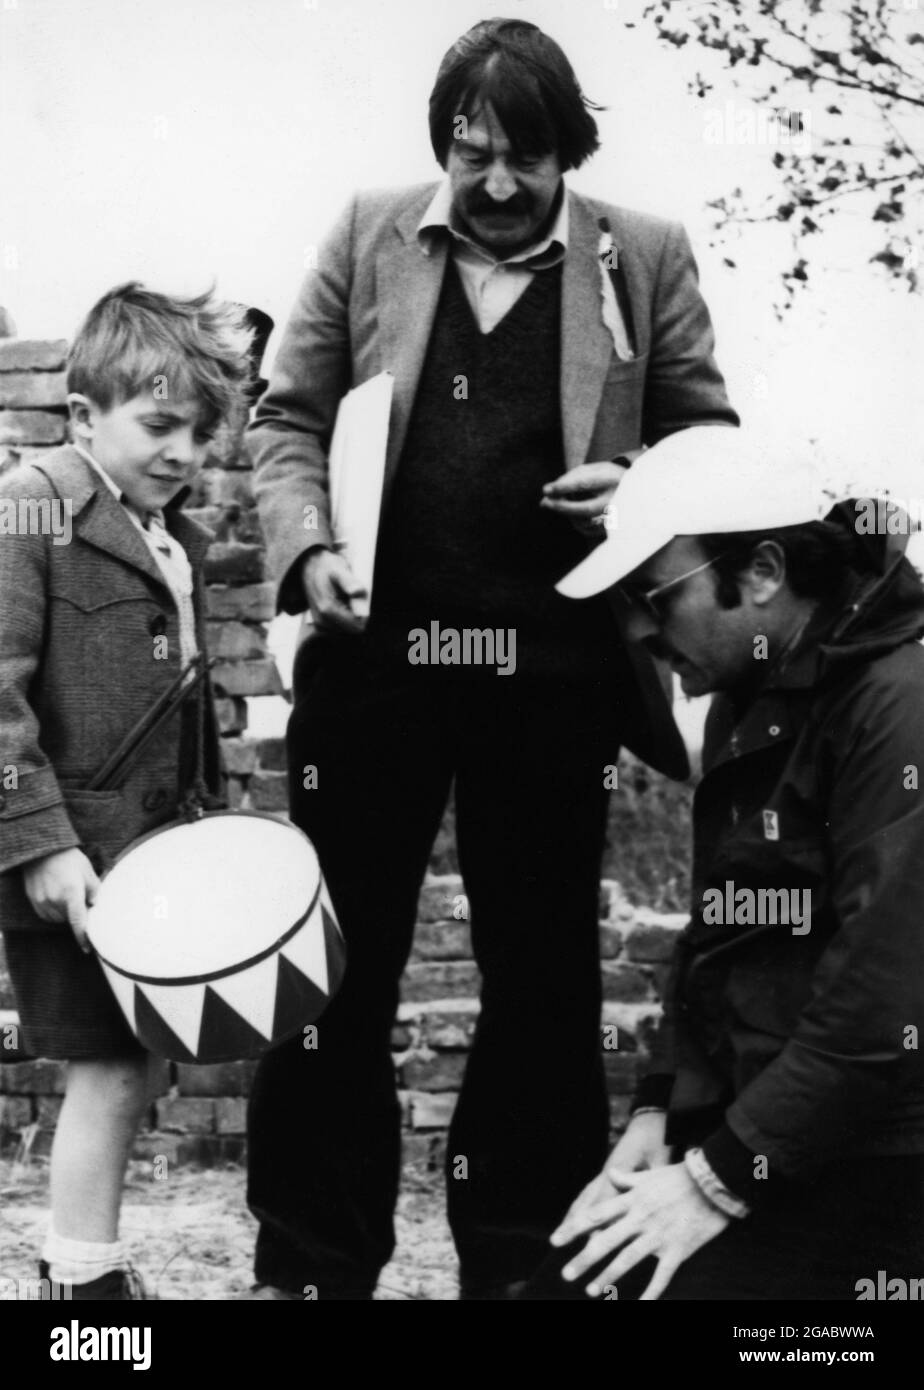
(622,1178)
(602,1213)
(349,587)
(634,1250)
(660,1279)
(602,1243)
(587,478)
(575,508)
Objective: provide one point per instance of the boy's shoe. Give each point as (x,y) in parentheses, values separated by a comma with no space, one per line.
(115,1286)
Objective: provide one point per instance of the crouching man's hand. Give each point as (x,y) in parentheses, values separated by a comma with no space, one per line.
(60,887)
(659,1213)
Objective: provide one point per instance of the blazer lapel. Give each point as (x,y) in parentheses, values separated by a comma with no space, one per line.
(408,283)
(586,346)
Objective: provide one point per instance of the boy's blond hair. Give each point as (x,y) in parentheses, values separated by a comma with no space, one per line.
(136,341)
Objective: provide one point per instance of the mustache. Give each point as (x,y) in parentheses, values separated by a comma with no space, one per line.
(513,207)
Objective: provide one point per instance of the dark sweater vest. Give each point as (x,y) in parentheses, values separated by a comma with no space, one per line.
(464,540)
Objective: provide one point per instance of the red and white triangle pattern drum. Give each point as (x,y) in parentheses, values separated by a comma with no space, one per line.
(217,936)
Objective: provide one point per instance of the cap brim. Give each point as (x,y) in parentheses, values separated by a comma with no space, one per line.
(612,560)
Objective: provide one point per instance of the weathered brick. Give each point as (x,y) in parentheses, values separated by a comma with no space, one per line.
(269,791)
(442,941)
(625,983)
(211,518)
(271,754)
(185,1115)
(209,1150)
(15,1112)
(635,1023)
(218,487)
(236,794)
(243,523)
(32,390)
(250,602)
(47,1110)
(32,426)
(431,1110)
(660,977)
(246,678)
(240,756)
(610,941)
(231,714)
(230,562)
(18,455)
(614,905)
(426,1152)
(33,1078)
(653,936)
(441,1023)
(234,641)
(441,1071)
(159,1076)
(216,1079)
(32,354)
(231,1115)
(154,1146)
(619,1112)
(440,979)
(621,1069)
(441,899)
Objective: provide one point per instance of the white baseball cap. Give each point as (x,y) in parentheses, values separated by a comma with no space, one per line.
(709,478)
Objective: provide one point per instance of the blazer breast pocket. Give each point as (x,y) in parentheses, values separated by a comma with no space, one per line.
(618,425)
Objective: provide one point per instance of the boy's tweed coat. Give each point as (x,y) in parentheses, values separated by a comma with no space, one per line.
(78,668)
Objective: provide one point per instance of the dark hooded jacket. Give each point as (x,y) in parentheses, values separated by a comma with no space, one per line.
(799,1046)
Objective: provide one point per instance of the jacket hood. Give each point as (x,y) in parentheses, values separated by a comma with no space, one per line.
(884,611)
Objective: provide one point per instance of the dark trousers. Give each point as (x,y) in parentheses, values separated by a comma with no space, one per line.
(528,762)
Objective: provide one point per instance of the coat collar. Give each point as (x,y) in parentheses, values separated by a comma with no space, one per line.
(101,521)
(409,277)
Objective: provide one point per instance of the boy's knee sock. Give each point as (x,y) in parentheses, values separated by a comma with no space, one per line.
(79,1261)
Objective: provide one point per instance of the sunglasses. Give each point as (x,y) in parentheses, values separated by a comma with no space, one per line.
(646,599)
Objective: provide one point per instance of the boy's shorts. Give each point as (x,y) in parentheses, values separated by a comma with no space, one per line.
(67,1011)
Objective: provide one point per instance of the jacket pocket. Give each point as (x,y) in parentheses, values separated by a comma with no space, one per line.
(99,820)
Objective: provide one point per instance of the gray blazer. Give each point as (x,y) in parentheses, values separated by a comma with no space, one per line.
(369,307)
(77,670)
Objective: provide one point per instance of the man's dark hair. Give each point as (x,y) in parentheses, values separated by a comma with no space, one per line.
(528,82)
(823,559)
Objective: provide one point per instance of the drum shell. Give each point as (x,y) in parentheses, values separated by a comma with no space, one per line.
(243,1008)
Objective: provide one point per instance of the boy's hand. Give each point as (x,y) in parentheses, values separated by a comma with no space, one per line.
(61,887)
(330,588)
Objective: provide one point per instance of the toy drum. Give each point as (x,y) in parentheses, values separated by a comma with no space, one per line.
(217,936)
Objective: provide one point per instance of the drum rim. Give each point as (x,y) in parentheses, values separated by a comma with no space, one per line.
(175,981)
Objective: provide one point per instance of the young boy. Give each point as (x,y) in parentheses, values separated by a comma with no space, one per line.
(100,589)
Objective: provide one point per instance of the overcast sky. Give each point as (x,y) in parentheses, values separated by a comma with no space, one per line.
(182,143)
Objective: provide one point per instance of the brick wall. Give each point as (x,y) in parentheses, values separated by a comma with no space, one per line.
(200,1113)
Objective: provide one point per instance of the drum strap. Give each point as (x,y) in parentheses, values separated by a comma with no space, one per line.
(119,764)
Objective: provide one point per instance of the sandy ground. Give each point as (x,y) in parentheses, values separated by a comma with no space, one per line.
(192,1237)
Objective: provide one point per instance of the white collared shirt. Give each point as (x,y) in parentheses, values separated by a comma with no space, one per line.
(492,287)
(169,556)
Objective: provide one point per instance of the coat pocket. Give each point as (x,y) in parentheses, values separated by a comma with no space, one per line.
(99,820)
